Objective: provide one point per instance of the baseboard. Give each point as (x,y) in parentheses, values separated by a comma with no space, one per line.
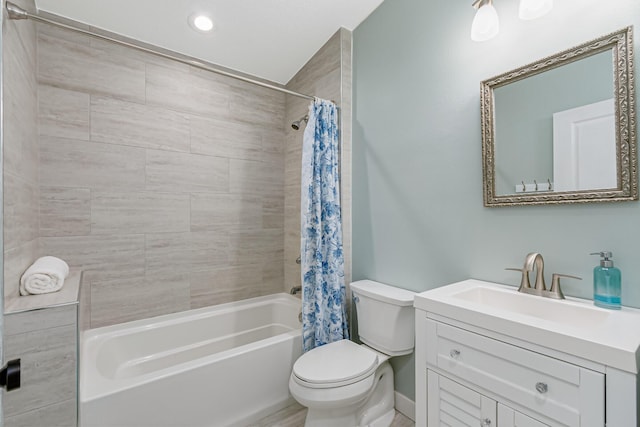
(405,406)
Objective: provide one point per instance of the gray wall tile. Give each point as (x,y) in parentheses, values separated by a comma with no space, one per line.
(273,211)
(167,171)
(225,211)
(65,211)
(76,66)
(255,104)
(347,147)
(138,212)
(73,163)
(63,414)
(273,276)
(35,320)
(124,300)
(225,138)
(138,125)
(185,252)
(57,33)
(255,246)
(63,113)
(20,148)
(84,306)
(250,177)
(100,257)
(48,368)
(187,91)
(226,284)
(20,210)
(135,54)
(273,141)
(20,105)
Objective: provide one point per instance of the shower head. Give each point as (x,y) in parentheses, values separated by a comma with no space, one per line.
(296,125)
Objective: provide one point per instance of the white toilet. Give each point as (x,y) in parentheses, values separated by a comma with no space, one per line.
(346,384)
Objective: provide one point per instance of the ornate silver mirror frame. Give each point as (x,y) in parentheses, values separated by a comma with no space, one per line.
(620,44)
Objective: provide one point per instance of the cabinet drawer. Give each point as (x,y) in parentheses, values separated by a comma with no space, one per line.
(566,393)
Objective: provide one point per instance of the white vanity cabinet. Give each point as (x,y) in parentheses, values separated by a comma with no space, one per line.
(507,417)
(452,404)
(548,389)
(480,369)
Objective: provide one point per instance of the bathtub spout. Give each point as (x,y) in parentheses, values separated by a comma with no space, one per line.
(295,290)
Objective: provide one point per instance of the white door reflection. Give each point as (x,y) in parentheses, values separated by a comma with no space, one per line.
(584,148)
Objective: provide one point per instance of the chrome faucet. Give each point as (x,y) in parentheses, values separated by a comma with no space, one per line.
(534,260)
(295,290)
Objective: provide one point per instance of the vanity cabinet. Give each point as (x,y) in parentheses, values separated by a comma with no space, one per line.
(452,404)
(507,417)
(545,387)
(477,365)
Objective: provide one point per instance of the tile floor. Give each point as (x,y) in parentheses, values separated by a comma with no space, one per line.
(293,416)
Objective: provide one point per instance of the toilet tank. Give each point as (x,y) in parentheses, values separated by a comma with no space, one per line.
(385,317)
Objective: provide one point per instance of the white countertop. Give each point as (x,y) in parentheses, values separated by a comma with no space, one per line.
(613,339)
(67,295)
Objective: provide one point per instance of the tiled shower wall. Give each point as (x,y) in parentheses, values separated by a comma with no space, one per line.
(326,75)
(20,148)
(164,183)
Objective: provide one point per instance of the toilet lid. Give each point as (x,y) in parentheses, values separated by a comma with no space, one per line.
(339,361)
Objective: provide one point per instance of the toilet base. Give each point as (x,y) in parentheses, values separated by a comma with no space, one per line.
(385,420)
(331,418)
(376,410)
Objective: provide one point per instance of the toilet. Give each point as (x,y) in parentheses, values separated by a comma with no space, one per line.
(347,384)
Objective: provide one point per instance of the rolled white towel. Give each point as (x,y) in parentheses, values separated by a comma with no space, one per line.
(45,275)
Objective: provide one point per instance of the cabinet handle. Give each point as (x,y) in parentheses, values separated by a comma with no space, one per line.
(454,353)
(485,423)
(542,388)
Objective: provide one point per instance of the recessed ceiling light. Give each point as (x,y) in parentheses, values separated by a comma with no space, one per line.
(201,22)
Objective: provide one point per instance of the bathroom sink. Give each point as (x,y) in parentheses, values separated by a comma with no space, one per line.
(572,326)
(565,312)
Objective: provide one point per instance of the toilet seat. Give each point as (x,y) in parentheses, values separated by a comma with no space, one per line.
(333,365)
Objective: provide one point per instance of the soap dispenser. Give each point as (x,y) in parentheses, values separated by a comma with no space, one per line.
(606,283)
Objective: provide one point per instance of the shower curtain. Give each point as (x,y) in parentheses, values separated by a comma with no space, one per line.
(322,258)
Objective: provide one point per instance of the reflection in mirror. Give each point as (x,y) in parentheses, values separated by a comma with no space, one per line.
(562,130)
(524,119)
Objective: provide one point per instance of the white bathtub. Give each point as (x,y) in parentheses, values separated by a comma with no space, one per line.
(217,366)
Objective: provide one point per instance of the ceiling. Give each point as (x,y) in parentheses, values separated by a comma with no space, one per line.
(271,39)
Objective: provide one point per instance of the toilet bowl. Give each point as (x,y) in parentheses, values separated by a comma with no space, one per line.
(347,384)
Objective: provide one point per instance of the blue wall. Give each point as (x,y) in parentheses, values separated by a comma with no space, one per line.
(418,217)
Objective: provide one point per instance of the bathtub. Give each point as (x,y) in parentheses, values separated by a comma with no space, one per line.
(216,366)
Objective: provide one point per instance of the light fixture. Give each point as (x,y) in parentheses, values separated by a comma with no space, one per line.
(485,24)
(201,22)
(532,9)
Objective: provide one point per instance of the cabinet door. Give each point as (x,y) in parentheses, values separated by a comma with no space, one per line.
(451,404)
(507,417)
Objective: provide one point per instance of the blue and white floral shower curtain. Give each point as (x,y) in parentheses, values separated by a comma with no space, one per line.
(323,290)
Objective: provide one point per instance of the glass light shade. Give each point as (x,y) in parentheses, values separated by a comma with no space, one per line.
(485,24)
(532,9)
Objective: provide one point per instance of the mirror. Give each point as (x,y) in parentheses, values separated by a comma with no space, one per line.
(562,130)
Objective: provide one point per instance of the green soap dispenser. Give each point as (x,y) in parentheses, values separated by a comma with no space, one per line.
(606,283)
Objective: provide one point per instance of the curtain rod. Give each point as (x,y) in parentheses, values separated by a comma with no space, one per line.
(16,12)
